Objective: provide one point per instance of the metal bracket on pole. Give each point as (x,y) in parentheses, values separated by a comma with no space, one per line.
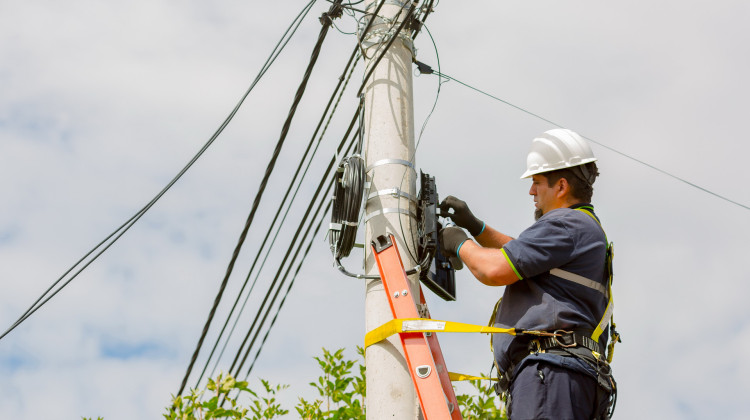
(391,162)
(393,192)
(386,211)
(423,354)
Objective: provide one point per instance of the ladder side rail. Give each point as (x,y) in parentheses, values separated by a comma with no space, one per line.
(417,349)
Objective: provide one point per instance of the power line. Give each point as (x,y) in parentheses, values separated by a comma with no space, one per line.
(343,81)
(425,69)
(324,199)
(266,249)
(374,65)
(291,284)
(326,22)
(282,264)
(363,35)
(107,242)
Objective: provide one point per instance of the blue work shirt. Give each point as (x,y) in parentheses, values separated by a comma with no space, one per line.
(567,239)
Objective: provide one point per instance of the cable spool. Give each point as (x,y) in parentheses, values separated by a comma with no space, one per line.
(347,203)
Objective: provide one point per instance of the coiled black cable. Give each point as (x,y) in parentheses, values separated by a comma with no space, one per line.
(347,203)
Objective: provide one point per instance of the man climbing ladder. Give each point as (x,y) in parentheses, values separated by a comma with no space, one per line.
(558,278)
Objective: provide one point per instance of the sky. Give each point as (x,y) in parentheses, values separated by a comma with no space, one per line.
(102,103)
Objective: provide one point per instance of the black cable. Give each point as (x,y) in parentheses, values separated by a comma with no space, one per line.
(291,245)
(367,28)
(117,233)
(419,22)
(291,284)
(260,250)
(289,266)
(352,60)
(407,18)
(326,20)
(281,266)
(415,254)
(425,69)
(347,200)
(281,285)
(268,251)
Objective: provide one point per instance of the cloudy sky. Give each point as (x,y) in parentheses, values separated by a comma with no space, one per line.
(102,103)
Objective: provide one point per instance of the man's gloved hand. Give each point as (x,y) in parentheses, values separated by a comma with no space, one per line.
(451,239)
(461,215)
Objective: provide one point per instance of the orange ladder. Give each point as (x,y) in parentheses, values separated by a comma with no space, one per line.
(422,350)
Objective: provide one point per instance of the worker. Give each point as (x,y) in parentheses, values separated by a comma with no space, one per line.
(557,280)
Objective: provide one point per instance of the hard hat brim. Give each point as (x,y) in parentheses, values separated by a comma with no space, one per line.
(531,172)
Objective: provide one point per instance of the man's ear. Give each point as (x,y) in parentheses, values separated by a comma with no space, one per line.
(562,187)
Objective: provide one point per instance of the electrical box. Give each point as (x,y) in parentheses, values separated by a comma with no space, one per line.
(439,276)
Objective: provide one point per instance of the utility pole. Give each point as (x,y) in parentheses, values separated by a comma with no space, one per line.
(391,205)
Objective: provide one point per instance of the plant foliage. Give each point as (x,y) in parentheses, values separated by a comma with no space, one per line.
(341,396)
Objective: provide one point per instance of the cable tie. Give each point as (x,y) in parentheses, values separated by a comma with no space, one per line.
(334,226)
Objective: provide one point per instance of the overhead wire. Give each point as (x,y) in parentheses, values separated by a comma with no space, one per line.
(382,49)
(336,95)
(291,284)
(108,241)
(277,275)
(425,69)
(364,33)
(326,23)
(324,198)
(366,30)
(373,66)
(289,266)
(415,255)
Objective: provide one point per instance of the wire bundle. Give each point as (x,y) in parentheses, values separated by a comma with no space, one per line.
(347,202)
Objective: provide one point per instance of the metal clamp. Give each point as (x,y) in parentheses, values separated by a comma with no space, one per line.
(390,210)
(391,162)
(394,192)
(393,2)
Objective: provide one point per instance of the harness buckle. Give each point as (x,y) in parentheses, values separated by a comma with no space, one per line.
(568,338)
(535,346)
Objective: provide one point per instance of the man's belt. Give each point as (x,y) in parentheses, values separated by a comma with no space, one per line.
(564,339)
(568,342)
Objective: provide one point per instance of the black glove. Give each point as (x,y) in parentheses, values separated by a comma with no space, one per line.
(450,240)
(462,215)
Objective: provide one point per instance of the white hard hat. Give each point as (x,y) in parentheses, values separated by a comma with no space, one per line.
(555,149)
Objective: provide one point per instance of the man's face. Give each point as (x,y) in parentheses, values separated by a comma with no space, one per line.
(544,195)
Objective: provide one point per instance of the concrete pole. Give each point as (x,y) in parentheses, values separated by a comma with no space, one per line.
(389,145)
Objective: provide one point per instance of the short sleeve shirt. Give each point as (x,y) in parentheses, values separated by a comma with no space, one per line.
(563,238)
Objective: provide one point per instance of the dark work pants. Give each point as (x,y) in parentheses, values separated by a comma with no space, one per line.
(543,391)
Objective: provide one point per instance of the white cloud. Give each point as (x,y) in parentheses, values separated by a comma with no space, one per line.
(104,102)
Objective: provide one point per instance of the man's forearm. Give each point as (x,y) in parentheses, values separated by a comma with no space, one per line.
(492,238)
(488,265)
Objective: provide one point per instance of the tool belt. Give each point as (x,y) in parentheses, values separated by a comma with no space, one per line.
(576,343)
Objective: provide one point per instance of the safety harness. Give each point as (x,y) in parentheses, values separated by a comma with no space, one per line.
(583,344)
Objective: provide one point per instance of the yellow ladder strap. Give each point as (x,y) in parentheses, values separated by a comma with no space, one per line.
(462,377)
(400,325)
